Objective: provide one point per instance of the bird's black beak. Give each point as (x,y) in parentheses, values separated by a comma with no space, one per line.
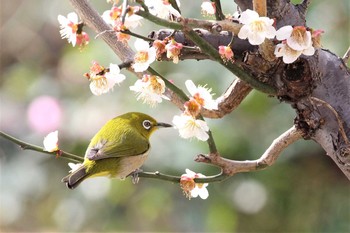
(163,125)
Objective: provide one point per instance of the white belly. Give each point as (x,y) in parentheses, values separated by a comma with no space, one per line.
(130,164)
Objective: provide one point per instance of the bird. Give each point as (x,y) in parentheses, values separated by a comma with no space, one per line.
(118,149)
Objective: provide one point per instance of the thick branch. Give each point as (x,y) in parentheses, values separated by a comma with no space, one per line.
(230,100)
(92,18)
(231,167)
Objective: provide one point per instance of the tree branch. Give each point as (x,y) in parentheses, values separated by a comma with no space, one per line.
(78,159)
(231,167)
(219,15)
(230,100)
(260,7)
(93,19)
(346,56)
(27,146)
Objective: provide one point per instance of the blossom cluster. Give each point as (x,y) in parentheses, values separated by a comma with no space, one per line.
(191,188)
(187,123)
(290,43)
(102,80)
(295,41)
(72,30)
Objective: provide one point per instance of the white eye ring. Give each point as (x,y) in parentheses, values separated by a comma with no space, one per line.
(146,124)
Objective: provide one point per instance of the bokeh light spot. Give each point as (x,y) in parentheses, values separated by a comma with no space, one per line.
(44,114)
(250,196)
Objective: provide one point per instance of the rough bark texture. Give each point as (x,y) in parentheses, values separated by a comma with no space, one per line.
(317,87)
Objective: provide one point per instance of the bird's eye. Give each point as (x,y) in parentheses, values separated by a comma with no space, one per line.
(146,124)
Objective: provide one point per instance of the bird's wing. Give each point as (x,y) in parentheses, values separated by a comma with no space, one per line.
(127,144)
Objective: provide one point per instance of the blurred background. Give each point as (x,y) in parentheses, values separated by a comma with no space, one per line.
(42,89)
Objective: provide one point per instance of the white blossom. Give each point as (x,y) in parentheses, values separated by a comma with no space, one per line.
(190,127)
(290,55)
(69,27)
(101,84)
(162,9)
(297,38)
(150,89)
(256,28)
(202,95)
(208,8)
(51,142)
(145,55)
(198,189)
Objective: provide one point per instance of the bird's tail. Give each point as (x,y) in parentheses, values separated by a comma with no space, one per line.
(75,178)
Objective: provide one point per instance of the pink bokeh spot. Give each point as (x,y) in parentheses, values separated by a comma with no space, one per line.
(44,114)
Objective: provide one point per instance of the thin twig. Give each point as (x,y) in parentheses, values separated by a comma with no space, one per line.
(219,15)
(346,56)
(176,179)
(212,25)
(174,5)
(27,146)
(159,21)
(128,32)
(184,97)
(79,159)
(124,10)
(234,68)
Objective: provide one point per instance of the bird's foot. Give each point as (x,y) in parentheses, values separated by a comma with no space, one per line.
(135,176)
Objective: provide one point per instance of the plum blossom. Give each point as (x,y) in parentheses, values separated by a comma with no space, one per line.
(113,17)
(297,38)
(145,55)
(102,79)
(226,53)
(162,8)
(51,142)
(71,29)
(190,127)
(191,188)
(150,89)
(202,95)
(208,8)
(256,28)
(173,49)
(316,38)
(295,42)
(160,47)
(290,55)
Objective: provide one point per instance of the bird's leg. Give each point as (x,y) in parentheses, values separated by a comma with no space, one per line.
(135,175)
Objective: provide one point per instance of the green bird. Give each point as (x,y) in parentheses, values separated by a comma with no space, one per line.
(119,148)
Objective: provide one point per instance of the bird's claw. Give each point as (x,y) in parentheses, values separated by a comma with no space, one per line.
(135,176)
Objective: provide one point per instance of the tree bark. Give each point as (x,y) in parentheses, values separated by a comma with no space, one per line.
(317,87)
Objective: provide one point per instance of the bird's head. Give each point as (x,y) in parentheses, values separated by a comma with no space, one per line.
(144,123)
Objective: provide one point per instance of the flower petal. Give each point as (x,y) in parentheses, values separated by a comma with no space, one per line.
(243,32)
(191,87)
(284,32)
(73,17)
(309,51)
(51,142)
(141,45)
(247,16)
